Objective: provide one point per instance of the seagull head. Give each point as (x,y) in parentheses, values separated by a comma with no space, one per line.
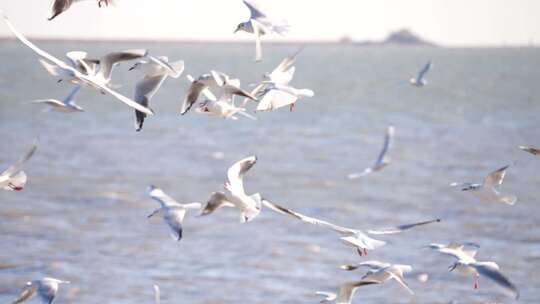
(240,27)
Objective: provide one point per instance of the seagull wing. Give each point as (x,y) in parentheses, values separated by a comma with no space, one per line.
(144,91)
(216,201)
(307,219)
(108,61)
(163,199)
(36,49)
(388,138)
(236,173)
(347,291)
(192,95)
(495,178)
(157,294)
(398,276)
(491,271)
(72,94)
(254,9)
(26,294)
(375,265)
(13,169)
(424,70)
(401,228)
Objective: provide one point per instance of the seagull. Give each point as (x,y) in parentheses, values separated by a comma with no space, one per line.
(489,190)
(224,106)
(278,95)
(172,212)
(345,294)
(98,81)
(380,272)
(467,264)
(533,151)
(235,196)
(154,76)
(213,81)
(13,178)
(420,81)
(46,289)
(68,105)
(60,6)
(383,160)
(260,24)
(355,238)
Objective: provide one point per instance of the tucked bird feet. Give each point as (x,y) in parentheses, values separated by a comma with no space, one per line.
(476,282)
(291,107)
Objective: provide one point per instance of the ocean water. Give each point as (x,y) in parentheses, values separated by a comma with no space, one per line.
(82,215)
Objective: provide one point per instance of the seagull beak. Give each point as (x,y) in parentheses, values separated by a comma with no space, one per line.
(132,68)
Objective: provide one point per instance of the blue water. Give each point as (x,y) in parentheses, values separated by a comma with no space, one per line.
(82,216)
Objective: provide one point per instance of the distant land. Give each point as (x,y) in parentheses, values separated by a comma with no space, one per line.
(402,37)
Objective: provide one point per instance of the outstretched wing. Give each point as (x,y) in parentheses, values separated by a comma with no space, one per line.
(388,138)
(307,219)
(254,9)
(401,228)
(26,294)
(491,271)
(236,172)
(163,199)
(424,70)
(17,166)
(495,178)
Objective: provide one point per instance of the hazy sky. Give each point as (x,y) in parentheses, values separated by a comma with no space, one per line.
(451,22)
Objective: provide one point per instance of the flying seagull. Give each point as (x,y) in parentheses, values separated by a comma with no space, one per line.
(154,76)
(67,71)
(13,178)
(533,151)
(213,81)
(277,95)
(67,105)
(223,106)
(345,293)
(383,160)
(467,264)
(420,80)
(489,190)
(235,196)
(259,24)
(355,238)
(60,6)
(380,272)
(172,212)
(46,289)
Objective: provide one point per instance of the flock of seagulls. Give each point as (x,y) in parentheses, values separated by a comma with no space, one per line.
(214,94)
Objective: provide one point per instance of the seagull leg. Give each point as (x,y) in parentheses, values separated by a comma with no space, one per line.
(365,251)
(359,252)
(476,286)
(12,186)
(291,107)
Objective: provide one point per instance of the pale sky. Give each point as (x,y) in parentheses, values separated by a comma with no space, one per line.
(449,22)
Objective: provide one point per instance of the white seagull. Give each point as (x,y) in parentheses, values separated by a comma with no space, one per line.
(67,105)
(14,178)
(383,160)
(467,264)
(420,80)
(235,196)
(66,71)
(213,81)
(46,289)
(173,213)
(355,238)
(380,272)
(60,6)
(345,293)
(489,190)
(259,24)
(533,151)
(154,76)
